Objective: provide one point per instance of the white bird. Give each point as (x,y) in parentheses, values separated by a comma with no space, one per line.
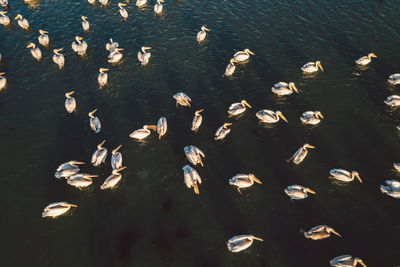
(269,116)
(392,188)
(95,123)
(222,131)
(113,179)
(230,69)
(161,127)
(143,132)
(141,3)
(194,154)
(365,60)
(243,180)
(312,67)
(238,108)
(242,56)
(241,242)
(4,3)
(393,101)
(298,192)
(100,155)
(35,51)
(158,8)
(80,180)
(201,35)
(346,261)
(320,232)
(182,99)
(56,209)
(115,56)
(300,154)
(58,58)
(111,45)
(197,120)
(396,166)
(344,176)
(104,2)
(79,47)
(67,169)
(4,20)
(3,80)
(122,11)
(283,88)
(85,24)
(92,2)
(70,103)
(394,79)
(145,57)
(43,38)
(102,77)
(191,178)
(23,23)
(311,117)
(116,158)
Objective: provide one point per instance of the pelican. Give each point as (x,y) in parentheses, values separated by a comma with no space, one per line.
(222,131)
(392,188)
(396,166)
(346,261)
(269,116)
(365,60)
(230,69)
(394,79)
(122,10)
(141,3)
(243,181)
(320,232)
(23,23)
(158,8)
(393,101)
(43,38)
(194,154)
(79,47)
(113,179)
(80,180)
(143,133)
(116,158)
(103,77)
(197,119)
(58,58)
(85,24)
(70,103)
(311,117)
(4,20)
(241,242)
(312,67)
(145,57)
(238,108)
(35,51)
(100,155)
(298,192)
(103,2)
(182,99)
(115,56)
(283,88)
(56,209)
(201,35)
(191,178)
(300,154)
(3,80)
(242,56)
(161,127)
(67,169)
(111,45)
(4,3)
(344,176)
(95,123)
(92,2)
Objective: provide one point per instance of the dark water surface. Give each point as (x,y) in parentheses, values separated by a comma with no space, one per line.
(151,218)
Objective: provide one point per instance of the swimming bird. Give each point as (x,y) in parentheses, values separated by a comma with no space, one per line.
(312,67)
(70,103)
(201,35)
(393,101)
(103,77)
(116,158)
(197,120)
(43,38)
(311,117)
(35,51)
(269,116)
(300,154)
(122,11)
(298,192)
(67,169)
(141,3)
(182,99)
(4,3)
(56,209)
(3,80)
(191,178)
(113,179)
(23,23)
(92,2)
(320,232)
(58,58)
(194,154)
(346,261)
(100,155)
(79,47)
(143,132)
(396,166)
(365,60)
(392,188)
(394,79)
(222,131)
(161,127)
(145,57)
(85,24)
(104,2)
(81,180)
(238,108)
(4,20)
(95,123)
(344,176)
(111,45)
(115,56)
(283,88)
(242,56)
(158,8)
(241,242)
(243,181)
(230,69)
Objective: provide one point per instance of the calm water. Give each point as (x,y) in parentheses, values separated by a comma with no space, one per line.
(151,218)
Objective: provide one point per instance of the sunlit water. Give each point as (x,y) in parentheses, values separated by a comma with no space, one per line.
(151,218)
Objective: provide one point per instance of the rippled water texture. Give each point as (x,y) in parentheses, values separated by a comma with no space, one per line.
(151,218)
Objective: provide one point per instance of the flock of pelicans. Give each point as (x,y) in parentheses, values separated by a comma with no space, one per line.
(71,172)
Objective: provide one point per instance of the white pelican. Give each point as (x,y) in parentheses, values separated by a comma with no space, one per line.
(92,2)
(269,116)
(80,180)
(58,58)
(312,67)
(115,56)
(283,88)
(241,242)
(300,154)
(230,69)
(79,47)
(242,56)
(161,127)
(394,79)
(194,154)
(3,80)
(298,191)
(85,24)
(4,20)
(320,232)
(311,117)
(191,178)
(145,57)
(103,2)
(392,188)
(201,35)
(23,23)
(243,181)
(70,103)
(222,131)
(158,8)
(95,123)
(143,133)
(35,51)
(365,60)
(103,77)
(396,166)
(393,101)
(182,99)
(111,45)
(44,38)
(197,120)
(238,108)
(344,176)
(141,3)
(113,179)
(56,209)
(67,169)
(4,3)
(100,155)
(116,158)
(122,11)
(346,261)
